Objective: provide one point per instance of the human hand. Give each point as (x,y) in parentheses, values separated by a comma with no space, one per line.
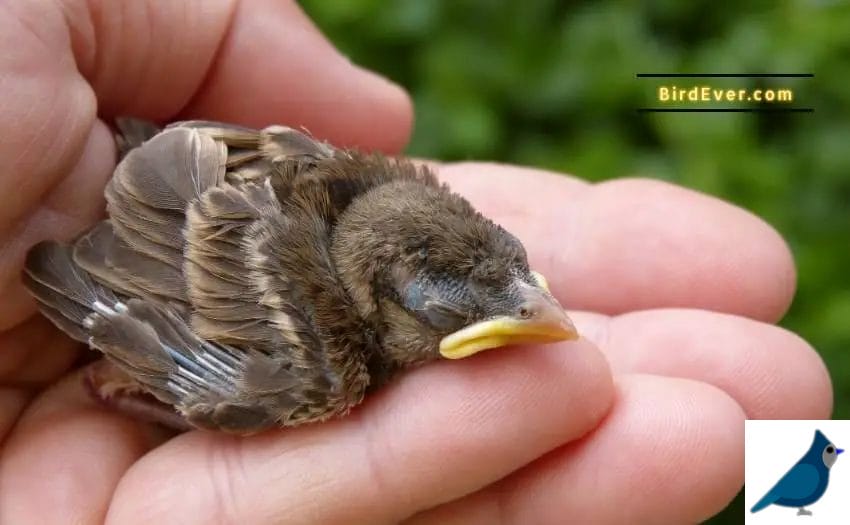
(685,286)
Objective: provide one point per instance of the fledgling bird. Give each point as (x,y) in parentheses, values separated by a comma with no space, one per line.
(807,480)
(259,278)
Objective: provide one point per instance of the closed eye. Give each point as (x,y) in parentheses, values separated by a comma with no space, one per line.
(444,316)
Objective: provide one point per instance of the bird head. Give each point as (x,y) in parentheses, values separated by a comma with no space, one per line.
(828,451)
(440,279)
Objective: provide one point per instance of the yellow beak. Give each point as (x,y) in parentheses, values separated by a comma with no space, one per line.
(540,319)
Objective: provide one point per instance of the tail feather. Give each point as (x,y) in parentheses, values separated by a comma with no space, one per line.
(765,501)
(63,304)
(67,323)
(65,292)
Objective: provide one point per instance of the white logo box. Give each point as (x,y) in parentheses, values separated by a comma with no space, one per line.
(773,447)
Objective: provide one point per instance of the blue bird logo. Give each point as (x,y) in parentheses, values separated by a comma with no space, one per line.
(806,482)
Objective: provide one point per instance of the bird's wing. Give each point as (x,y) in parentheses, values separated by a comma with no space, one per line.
(797,483)
(259,275)
(139,252)
(122,287)
(233,280)
(278,153)
(152,343)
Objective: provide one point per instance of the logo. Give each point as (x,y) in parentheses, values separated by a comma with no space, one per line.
(795,472)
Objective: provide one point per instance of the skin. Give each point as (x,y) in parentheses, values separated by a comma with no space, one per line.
(680,350)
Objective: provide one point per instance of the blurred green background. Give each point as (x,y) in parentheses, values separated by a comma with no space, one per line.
(552,84)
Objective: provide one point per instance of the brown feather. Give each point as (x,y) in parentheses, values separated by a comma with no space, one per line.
(51,265)
(110,260)
(157,225)
(173,168)
(282,143)
(172,256)
(65,313)
(132,133)
(230,134)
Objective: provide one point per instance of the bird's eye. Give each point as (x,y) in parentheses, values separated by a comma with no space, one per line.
(443,316)
(830,450)
(434,304)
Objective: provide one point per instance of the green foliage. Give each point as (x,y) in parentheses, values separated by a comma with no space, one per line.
(551,85)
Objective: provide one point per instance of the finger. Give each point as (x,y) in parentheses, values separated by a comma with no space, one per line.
(12,403)
(257,63)
(437,434)
(66,451)
(771,372)
(639,466)
(51,149)
(34,354)
(275,67)
(63,204)
(635,244)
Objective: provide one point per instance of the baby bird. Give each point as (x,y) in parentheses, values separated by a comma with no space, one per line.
(807,480)
(250,279)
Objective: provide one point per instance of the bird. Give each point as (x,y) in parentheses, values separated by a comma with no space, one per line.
(806,481)
(248,279)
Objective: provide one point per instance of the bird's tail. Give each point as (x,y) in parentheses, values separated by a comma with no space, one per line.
(764,502)
(66,294)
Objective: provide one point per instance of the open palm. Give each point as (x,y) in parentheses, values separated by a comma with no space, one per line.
(602,430)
